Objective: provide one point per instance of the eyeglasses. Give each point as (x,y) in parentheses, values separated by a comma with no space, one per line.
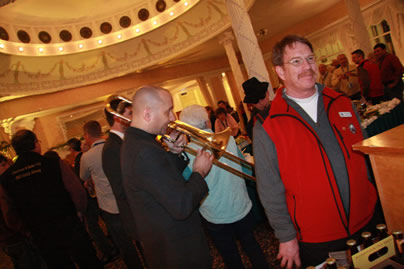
(298,61)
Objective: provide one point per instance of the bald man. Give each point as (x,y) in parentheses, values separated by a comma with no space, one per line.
(165,205)
(345,79)
(324,76)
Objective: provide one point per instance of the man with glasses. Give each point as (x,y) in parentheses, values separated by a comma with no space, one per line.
(313,186)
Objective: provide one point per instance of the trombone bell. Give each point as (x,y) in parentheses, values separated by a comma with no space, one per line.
(109,108)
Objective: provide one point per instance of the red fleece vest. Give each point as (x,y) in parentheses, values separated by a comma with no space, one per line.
(312,195)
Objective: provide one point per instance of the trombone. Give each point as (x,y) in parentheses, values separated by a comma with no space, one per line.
(215,142)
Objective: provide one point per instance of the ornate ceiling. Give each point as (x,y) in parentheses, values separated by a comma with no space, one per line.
(52,45)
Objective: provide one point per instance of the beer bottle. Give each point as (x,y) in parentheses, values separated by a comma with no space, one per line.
(331,263)
(382,231)
(351,250)
(399,243)
(367,239)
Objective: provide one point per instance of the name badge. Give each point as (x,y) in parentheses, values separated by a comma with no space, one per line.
(345,114)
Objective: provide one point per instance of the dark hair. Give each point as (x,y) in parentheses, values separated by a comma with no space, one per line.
(380,45)
(75,144)
(23,141)
(359,52)
(279,49)
(52,155)
(92,128)
(3,158)
(222,102)
(220,110)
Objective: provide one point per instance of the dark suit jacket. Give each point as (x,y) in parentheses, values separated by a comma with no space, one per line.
(111,164)
(164,204)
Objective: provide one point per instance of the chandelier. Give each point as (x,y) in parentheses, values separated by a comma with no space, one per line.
(5,2)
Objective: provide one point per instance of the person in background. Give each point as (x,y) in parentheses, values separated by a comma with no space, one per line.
(257,95)
(50,200)
(75,151)
(391,71)
(92,214)
(229,110)
(111,164)
(334,65)
(224,120)
(212,116)
(166,205)
(314,187)
(91,168)
(345,79)
(369,78)
(325,76)
(227,210)
(13,239)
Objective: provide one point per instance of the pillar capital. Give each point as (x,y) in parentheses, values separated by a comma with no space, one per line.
(226,38)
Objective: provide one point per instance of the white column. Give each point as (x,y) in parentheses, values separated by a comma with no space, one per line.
(226,39)
(247,42)
(359,29)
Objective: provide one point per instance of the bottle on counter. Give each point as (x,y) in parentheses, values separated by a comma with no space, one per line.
(331,263)
(366,239)
(399,243)
(352,249)
(382,231)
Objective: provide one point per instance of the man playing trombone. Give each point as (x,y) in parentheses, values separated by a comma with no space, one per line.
(165,205)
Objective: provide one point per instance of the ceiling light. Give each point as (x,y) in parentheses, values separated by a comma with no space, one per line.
(1,46)
(21,49)
(80,46)
(171,13)
(137,30)
(60,48)
(186,4)
(155,22)
(40,49)
(119,36)
(100,41)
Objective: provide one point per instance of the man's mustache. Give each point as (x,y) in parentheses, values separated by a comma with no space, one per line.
(307,73)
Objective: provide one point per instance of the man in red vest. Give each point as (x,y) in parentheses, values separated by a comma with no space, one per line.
(369,78)
(314,187)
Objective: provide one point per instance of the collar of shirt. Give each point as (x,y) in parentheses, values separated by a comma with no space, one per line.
(98,142)
(118,133)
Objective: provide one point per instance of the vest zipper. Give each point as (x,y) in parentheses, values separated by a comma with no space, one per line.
(320,145)
(342,141)
(295,219)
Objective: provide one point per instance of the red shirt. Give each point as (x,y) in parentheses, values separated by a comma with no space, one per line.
(391,68)
(370,79)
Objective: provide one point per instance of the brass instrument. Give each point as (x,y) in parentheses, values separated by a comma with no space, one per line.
(108,107)
(214,142)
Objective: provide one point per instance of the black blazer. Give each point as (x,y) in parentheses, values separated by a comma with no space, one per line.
(164,205)
(111,164)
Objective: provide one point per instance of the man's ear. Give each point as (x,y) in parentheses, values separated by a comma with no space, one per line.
(279,70)
(147,114)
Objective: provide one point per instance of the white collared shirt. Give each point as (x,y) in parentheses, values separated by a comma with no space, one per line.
(91,167)
(118,133)
(308,104)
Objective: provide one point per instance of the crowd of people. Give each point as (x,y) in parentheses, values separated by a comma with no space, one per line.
(157,202)
(371,80)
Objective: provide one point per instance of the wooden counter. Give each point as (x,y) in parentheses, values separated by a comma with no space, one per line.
(386,152)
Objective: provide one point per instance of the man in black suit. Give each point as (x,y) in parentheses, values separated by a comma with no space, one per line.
(164,203)
(111,164)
